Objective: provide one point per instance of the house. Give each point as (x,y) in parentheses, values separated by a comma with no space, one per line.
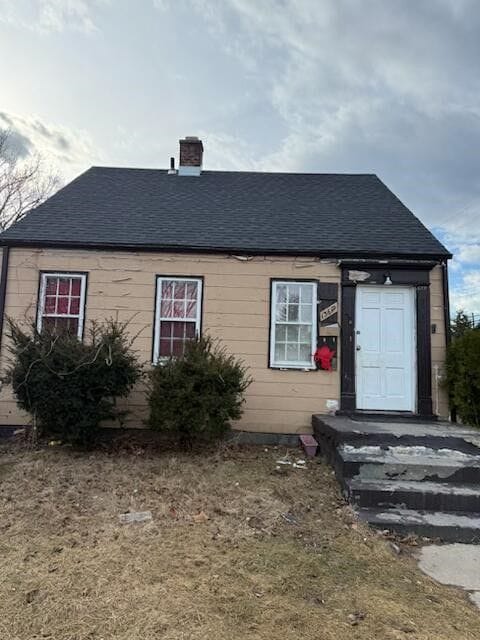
(276,265)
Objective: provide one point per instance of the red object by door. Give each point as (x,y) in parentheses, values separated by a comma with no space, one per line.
(323,357)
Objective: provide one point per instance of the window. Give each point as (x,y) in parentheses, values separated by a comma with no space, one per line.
(177,315)
(62,302)
(293,324)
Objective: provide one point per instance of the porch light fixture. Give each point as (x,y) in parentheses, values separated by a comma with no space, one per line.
(388,279)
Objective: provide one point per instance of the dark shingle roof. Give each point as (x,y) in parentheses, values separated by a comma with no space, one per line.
(311,214)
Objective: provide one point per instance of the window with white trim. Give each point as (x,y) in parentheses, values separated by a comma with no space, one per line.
(293,324)
(62,302)
(177,315)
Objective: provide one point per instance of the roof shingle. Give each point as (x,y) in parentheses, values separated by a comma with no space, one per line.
(304,214)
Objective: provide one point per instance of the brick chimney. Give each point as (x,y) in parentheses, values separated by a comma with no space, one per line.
(191,156)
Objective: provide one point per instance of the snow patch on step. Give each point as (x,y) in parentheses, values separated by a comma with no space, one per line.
(433,518)
(411,485)
(405,450)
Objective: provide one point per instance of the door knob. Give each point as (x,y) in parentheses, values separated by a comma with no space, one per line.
(358,347)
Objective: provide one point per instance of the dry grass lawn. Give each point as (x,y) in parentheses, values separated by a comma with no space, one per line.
(268,557)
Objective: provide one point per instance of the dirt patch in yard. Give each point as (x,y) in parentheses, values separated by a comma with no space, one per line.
(233,551)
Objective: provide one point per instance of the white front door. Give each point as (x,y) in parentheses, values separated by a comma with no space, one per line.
(385,348)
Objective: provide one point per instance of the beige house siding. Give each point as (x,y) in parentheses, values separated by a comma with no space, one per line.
(439,396)
(236,308)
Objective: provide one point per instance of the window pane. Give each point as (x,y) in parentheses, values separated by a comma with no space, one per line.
(51,286)
(305,334)
(165,329)
(178,329)
(64,286)
(191,310)
(293,312)
(294,293)
(62,305)
(76,286)
(305,353)
(281,293)
(279,352)
(190,330)
(75,306)
(179,309)
(281,333)
(292,334)
(281,312)
(179,290)
(61,325)
(191,290)
(305,312)
(167,289)
(166,309)
(165,350)
(50,303)
(72,326)
(306,292)
(292,352)
(178,347)
(48,323)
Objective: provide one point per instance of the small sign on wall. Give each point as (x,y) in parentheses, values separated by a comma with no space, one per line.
(327,304)
(328,313)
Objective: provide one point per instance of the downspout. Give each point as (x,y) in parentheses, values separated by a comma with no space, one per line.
(3,287)
(446,315)
(446,302)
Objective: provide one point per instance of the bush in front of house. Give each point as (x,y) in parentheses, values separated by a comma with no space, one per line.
(194,397)
(463,376)
(69,387)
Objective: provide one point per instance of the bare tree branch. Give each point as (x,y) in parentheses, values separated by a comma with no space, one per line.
(23,184)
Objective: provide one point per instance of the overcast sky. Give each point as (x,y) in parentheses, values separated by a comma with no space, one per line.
(383,86)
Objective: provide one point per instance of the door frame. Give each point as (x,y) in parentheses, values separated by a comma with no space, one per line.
(413,339)
(400,273)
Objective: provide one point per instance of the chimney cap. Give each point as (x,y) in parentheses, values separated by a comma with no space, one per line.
(191,140)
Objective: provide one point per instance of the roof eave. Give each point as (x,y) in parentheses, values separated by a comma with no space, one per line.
(338,254)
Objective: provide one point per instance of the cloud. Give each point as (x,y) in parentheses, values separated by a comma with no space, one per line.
(466,296)
(389,88)
(68,151)
(469,253)
(50,16)
(369,86)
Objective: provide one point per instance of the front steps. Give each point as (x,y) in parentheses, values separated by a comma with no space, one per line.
(405,462)
(407,477)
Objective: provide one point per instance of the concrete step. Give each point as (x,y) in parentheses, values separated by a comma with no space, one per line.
(331,431)
(418,463)
(404,494)
(448,526)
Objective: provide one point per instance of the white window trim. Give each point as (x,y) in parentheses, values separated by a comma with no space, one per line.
(273,326)
(41,303)
(159,318)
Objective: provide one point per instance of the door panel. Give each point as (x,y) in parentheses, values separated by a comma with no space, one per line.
(385,340)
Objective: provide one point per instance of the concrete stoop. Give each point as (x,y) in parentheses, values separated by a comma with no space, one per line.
(411,477)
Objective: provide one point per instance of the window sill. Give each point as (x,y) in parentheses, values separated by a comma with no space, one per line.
(280,367)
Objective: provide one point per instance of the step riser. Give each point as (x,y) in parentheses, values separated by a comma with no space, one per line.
(329,438)
(431,442)
(447,534)
(414,500)
(378,471)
